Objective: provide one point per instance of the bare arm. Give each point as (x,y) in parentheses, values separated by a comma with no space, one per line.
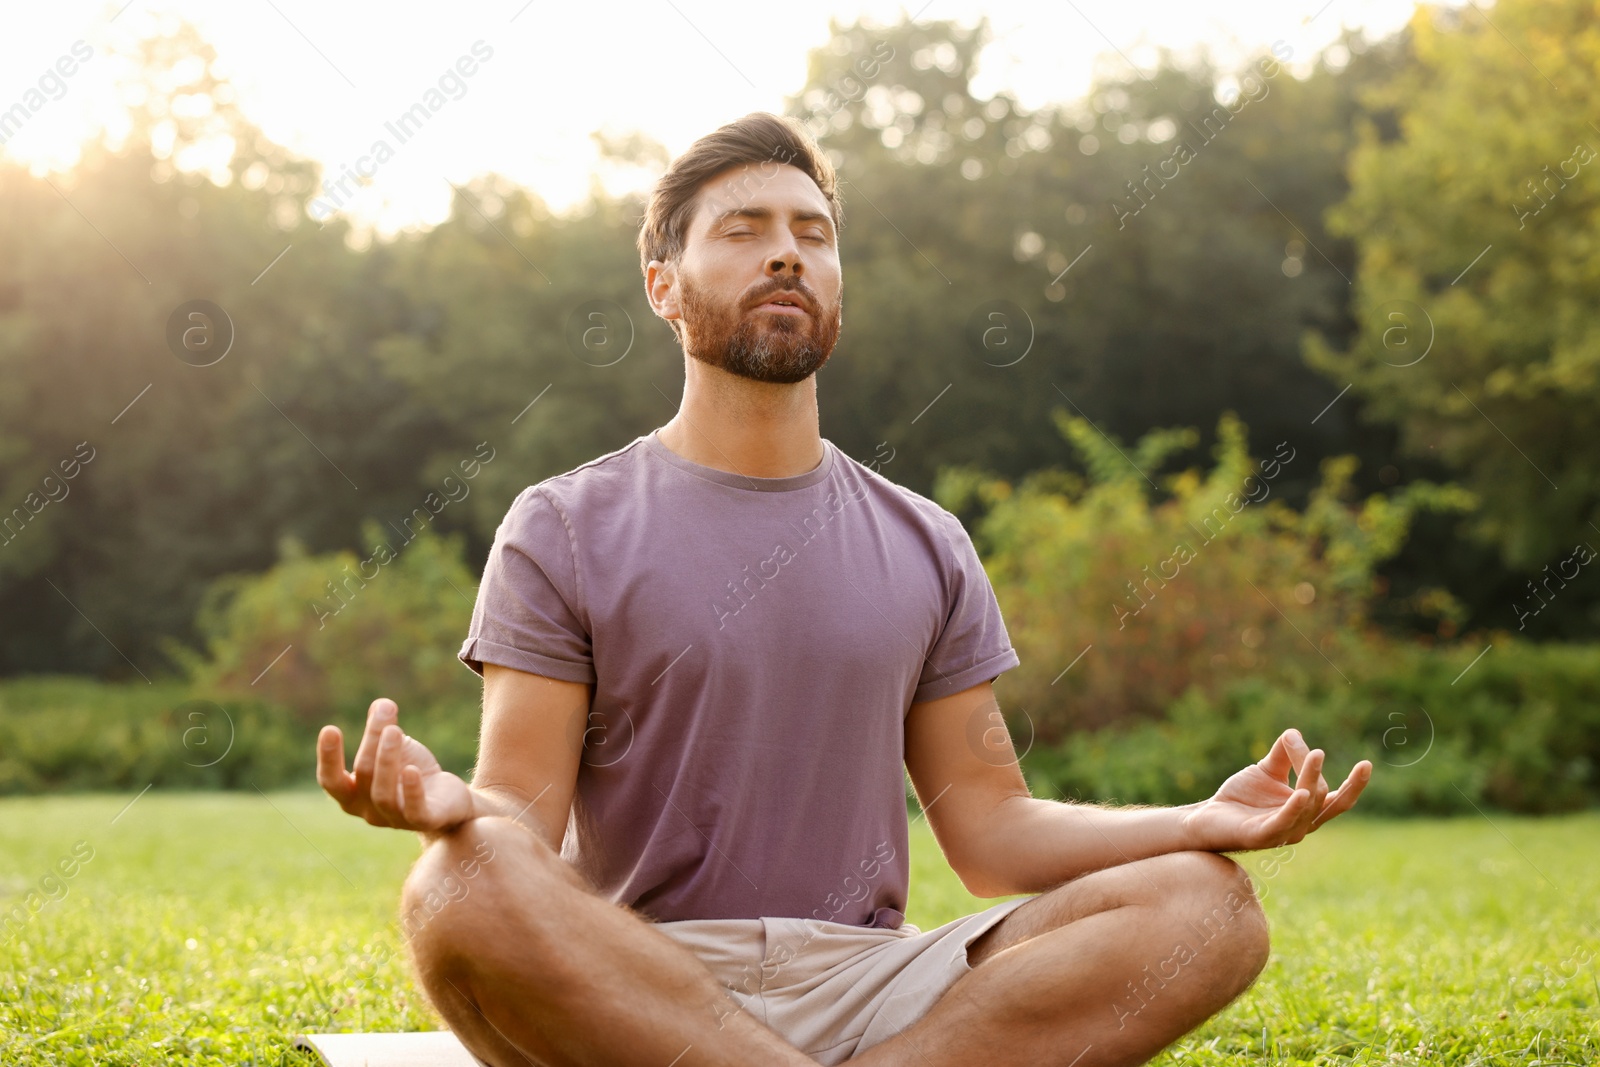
(528,753)
(530,748)
(1000,840)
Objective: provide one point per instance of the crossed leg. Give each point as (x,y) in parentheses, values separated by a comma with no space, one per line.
(530,966)
(1103,971)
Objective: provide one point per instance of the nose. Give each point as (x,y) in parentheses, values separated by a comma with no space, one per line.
(788,258)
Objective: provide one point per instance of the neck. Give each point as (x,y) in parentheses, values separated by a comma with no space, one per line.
(758,429)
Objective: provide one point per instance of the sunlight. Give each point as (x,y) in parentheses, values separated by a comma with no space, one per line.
(324,80)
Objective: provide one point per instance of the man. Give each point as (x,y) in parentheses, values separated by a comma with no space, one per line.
(707,657)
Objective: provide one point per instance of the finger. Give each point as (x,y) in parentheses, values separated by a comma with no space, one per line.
(331,775)
(413,798)
(1322,798)
(1346,797)
(1309,776)
(1354,784)
(386,774)
(1276,762)
(1281,824)
(1295,745)
(1310,779)
(380,713)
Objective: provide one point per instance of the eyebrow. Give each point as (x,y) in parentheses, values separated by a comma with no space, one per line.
(765,214)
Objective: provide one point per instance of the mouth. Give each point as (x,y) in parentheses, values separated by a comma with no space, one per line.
(784,305)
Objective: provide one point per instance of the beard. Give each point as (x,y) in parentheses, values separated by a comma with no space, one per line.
(759,345)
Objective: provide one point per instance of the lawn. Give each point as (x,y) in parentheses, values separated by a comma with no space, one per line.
(208,928)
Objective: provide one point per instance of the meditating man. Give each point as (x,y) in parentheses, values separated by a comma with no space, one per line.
(709,658)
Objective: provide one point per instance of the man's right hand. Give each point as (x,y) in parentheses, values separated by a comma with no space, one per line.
(396,781)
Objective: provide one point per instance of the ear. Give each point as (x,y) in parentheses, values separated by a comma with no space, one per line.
(661,287)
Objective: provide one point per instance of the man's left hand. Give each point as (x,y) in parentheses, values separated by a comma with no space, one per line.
(1257,808)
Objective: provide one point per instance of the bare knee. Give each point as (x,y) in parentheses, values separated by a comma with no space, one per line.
(455,900)
(1214,897)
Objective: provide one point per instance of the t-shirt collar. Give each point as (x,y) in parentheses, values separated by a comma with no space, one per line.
(733,479)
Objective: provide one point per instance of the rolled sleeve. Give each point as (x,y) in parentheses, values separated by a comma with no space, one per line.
(528,614)
(973,646)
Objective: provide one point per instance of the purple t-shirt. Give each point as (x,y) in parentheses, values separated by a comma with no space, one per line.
(754,646)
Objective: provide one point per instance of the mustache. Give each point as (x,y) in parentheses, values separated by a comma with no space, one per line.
(794,288)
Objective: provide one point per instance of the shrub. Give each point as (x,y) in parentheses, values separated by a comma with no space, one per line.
(319,634)
(63,733)
(1519,731)
(69,734)
(1183,592)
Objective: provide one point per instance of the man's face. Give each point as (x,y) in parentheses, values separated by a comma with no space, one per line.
(761,235)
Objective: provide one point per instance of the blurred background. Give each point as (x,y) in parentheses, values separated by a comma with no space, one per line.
(1266,387)
(1256,350)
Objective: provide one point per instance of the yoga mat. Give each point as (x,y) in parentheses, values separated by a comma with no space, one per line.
(430,1048)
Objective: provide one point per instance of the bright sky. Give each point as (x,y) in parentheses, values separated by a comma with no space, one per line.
(324,77)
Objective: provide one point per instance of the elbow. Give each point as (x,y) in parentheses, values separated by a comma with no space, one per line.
(984,858)
(981,881)
(987,890)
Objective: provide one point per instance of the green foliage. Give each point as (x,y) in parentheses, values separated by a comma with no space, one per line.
(317,634)
(1519,731)
(1477,225)
(365,368)
(1186,585)
(297,431)
(992,202)
(308,642)
(62,734)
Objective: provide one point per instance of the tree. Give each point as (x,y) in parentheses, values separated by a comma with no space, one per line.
(1478,229)
(196,470)
(964,214)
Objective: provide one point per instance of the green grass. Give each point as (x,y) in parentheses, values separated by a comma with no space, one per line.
(210,928)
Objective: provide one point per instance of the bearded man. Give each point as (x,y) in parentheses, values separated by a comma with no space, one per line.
(709,659)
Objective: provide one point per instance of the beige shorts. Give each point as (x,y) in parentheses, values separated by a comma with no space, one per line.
(830,989)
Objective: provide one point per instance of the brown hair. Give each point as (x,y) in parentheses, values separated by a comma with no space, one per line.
(759,137)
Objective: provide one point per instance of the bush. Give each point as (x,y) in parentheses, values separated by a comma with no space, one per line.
(1186,591)
(68,734)
(321,634)
(1519,731)
(60,733)
(311,641)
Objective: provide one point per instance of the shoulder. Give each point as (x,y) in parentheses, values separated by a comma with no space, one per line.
(915,508)
(595,483)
